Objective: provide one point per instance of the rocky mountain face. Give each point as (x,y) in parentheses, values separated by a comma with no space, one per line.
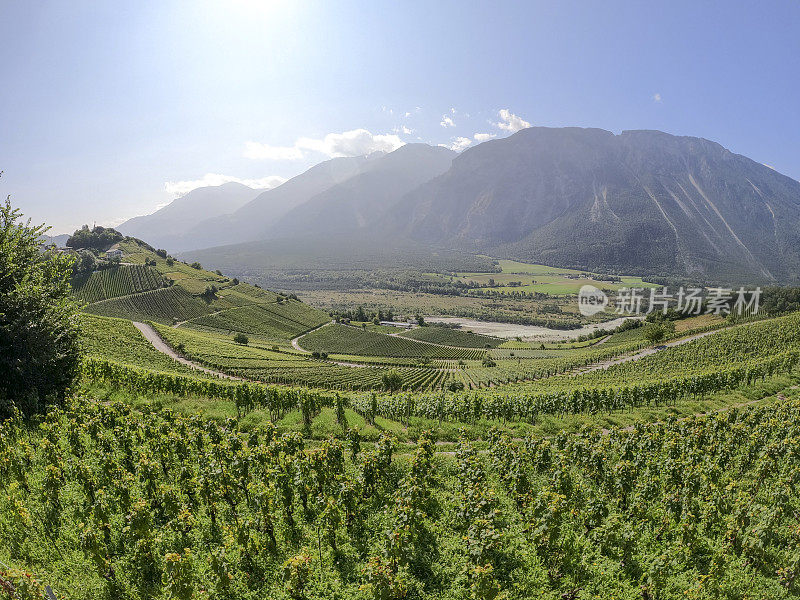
(641,201)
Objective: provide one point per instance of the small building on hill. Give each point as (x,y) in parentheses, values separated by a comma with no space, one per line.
(114,252)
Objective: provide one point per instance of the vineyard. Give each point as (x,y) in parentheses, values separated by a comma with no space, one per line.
(270,321)
(283,365)
(452,337)
(343,339)
(117,281)
(118,340)
(102,501)
(166,305)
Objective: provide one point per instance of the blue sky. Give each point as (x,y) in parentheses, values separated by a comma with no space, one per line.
(108,109)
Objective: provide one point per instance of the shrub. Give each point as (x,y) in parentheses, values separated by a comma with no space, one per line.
(241,338)
(392,381)
(196,265)
(39,347)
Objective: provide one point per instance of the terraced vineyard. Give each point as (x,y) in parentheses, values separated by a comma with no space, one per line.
(286,366)
(166,305)
(269,320)
(117,281)
(343,339)
(118,340)
(452,337)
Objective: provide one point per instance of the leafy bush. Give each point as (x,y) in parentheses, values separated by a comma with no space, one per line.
(392,380)
(39,350)
(241,338)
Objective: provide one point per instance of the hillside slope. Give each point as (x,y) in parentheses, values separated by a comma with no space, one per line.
(641,201)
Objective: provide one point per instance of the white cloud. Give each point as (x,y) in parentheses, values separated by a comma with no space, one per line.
(510,122)
(452,111)
(482,137)
(348,143)
(402,129)
(447,121)
(179,188)
(656,97)
(459,144)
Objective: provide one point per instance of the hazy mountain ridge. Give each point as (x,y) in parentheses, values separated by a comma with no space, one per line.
(359,201)
(172,222)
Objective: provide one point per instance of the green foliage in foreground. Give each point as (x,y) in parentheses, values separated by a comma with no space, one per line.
(102,501)
(39,352)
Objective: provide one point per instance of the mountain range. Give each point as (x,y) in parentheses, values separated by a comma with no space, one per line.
(637,202)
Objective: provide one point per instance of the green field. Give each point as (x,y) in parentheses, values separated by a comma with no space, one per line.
(545,280)
(343,339)
(452,337)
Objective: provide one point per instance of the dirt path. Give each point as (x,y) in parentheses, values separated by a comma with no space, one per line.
(605,364)
(296,341)
(151,335)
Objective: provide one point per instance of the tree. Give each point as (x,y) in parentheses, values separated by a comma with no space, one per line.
(654,333)
(98,238)
(85,262)
(392,380)
(456,386)
(210,293)
(241,338)
(360,314)
(196,265)
(39,348)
